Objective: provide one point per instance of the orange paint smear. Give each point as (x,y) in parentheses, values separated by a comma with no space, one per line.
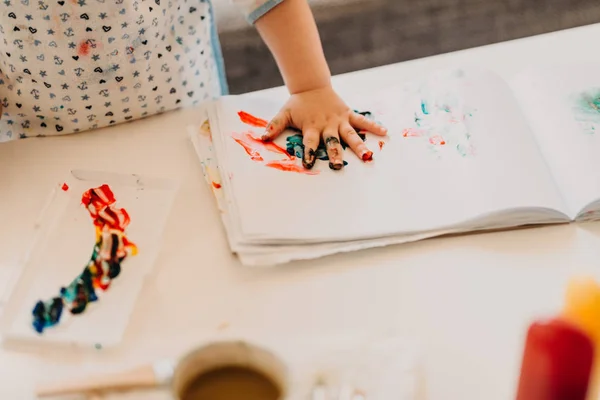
(252,120)
(64,187)
(437,140)
(290,167)
(413,132)
(381,144)
(216,185)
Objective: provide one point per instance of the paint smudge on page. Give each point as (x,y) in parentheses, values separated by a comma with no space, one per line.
(586,110)
(248,141)
(111,248)
(413,132)
(64,187)
(205,129)
(216,185)
(290,167)
(381,144)
(249,146)
(251,120)
(437,140)
(442,118)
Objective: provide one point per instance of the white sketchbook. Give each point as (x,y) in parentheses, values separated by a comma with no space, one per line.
(466,151)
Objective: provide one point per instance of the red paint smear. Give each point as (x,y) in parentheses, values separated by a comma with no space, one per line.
(247,145)
(413,132)
(64,187)
(216,185)
(381,144)
(437,140)
(252,120)
(290,167)
(271,146)
(368,156)
(253,145)
(84,48)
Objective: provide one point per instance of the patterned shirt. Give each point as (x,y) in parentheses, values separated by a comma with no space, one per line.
(73,65)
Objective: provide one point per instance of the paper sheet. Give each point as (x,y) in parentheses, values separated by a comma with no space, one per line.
(63,247)
(563,106)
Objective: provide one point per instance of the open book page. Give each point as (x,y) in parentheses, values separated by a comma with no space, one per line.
(458,150)
(562,104)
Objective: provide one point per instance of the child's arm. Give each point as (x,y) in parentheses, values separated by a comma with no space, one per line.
(290,32)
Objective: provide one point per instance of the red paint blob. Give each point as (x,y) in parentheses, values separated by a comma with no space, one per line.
(381,144)
(249,119)
(368,156)
(100,204)
(557,362)
(84,48)
(290,167)
(216,185)
(64,187)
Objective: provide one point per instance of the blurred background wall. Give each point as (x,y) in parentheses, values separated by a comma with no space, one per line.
(359,34)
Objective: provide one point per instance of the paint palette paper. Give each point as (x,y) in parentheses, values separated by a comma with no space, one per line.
(460,157)
(64,247)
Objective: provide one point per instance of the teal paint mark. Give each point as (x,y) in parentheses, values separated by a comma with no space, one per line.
(295,146)
(586,110)
(424,108)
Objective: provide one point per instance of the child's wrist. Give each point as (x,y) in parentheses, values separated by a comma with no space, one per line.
(306,85)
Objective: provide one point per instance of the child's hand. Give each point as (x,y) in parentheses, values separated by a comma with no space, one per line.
(321,113)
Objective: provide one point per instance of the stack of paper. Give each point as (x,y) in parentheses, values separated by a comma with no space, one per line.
(460,156)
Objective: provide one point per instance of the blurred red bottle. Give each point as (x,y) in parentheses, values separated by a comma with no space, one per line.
(557,362)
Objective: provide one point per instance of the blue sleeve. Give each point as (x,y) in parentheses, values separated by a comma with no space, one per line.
(255,9)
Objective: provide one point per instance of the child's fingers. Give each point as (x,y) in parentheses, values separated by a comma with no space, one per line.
(276,126)
(334,148)
(364,124)
(311,138)
(349,135)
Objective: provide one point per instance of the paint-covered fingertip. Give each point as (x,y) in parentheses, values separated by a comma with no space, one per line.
(336,166)
(367,156)
(265,138)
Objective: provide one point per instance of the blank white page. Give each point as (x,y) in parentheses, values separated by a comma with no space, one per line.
(458,148)
(562,104)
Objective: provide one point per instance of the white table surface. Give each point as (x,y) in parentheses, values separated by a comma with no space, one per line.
(468,300)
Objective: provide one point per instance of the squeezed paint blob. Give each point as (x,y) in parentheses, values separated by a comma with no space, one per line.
(110,250)
(216,185)
(381,144)
(64,187)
